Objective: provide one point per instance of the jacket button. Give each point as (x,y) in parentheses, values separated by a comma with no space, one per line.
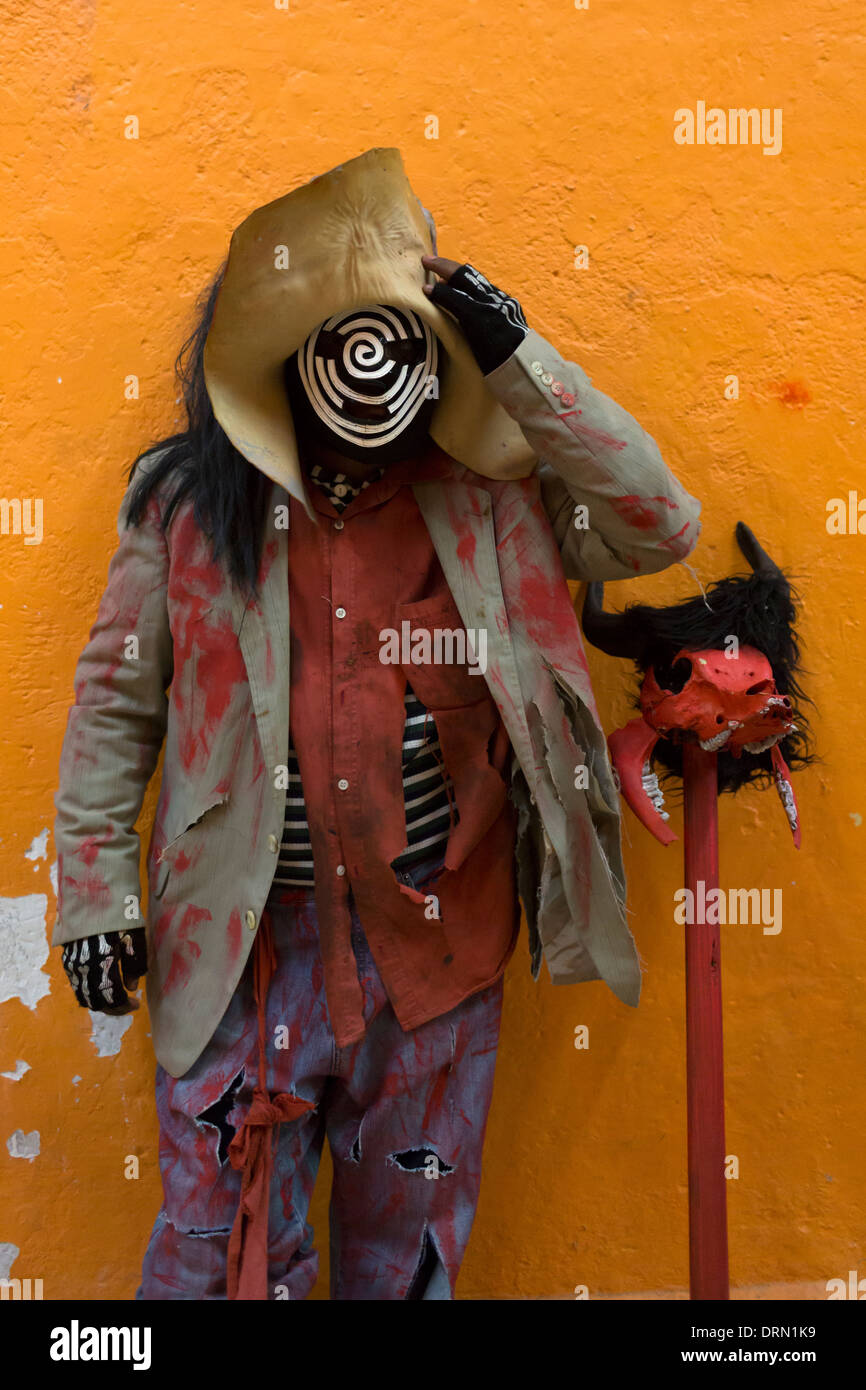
(557,388)
(273,844)
(537,368)
(339,612)
(567,398)
(338,525)
(343,784)
(341,869)
(250,919)
(547,378)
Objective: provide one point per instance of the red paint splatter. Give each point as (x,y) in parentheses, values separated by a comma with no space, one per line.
(92,888)
(466,552)
(235,935)
(195,580)
(795,394)
(394,1205)
(162,925)
(185,951)
(219,668)
(183,861)
(436,1097)
(679,544)
(640,512)
(90,846)
(586,432)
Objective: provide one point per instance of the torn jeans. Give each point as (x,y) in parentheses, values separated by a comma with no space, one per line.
(404,1113)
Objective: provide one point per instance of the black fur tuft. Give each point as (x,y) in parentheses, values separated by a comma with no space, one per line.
(760,611)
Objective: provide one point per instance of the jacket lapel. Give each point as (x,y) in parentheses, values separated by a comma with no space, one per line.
(263,632)
(459,518)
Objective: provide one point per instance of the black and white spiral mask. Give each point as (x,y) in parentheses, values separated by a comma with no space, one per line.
(365,383)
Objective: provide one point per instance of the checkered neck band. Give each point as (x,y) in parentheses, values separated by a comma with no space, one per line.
(339,489)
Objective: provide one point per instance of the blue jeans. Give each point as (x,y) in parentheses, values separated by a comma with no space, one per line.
(404,1113)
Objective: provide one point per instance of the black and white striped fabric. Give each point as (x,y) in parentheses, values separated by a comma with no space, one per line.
(427,795)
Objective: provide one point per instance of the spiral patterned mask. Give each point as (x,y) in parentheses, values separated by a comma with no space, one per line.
(367,374)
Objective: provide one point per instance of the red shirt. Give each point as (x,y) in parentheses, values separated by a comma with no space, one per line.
(350,577)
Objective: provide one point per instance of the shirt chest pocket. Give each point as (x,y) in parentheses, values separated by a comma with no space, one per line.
(441,660)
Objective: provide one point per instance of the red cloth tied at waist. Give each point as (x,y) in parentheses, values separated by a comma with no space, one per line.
(251,1149)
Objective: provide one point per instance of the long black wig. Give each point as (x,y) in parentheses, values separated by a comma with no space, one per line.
(229,494)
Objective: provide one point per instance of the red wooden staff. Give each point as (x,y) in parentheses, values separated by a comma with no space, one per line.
(712,712)
(705,1073)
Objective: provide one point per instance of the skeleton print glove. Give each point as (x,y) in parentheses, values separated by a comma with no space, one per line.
(93,966)
(492,323)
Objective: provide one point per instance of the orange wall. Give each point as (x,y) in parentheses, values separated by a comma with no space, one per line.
(555,129)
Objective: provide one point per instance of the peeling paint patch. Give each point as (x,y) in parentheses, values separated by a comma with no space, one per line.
(23,949)
(38,847)
(20,1068)
(21,1145)
(52,874)
(8,1255)
(106,1032)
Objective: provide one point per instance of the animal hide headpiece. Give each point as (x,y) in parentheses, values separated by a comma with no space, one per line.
(720,669)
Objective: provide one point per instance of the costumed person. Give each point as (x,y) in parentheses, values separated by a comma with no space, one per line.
(346,581)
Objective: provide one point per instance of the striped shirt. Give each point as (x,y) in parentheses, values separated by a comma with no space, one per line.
(427,788)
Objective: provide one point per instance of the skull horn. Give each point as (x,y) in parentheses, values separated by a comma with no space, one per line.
(617,634)
(754,551)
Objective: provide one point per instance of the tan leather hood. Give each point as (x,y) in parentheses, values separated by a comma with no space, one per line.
(353,236)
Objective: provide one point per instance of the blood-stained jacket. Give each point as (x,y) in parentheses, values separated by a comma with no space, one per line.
(178,657)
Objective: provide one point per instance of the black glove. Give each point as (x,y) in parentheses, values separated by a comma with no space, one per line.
(492,323)
(93,967)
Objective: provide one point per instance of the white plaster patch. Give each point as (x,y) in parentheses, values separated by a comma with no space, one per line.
(106,1032)
(8,1255)
(52,874)
(856,817)
(23,949)
(21,1145)
(38,847)
(75,1080)
(20,1068)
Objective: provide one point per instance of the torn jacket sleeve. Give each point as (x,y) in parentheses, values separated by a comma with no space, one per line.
(615,507)
(114,733)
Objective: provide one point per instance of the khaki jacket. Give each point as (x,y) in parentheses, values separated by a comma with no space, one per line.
(176,657)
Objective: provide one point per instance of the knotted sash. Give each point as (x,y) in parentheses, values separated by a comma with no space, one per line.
(251,1149)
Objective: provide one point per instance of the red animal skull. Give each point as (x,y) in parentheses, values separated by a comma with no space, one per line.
(718,699)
